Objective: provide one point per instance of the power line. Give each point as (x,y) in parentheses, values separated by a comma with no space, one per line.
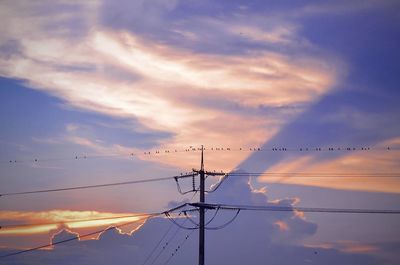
(178,247)
(178,229)
(88,186)
(160,152)
(201,206)
(157,245)
(162,238)
(320,174)
(382,175)
(315,175)
(292,209)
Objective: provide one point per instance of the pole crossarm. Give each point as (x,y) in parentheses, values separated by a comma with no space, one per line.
(210,173)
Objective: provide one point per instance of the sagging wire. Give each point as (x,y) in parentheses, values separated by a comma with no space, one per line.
(226,224)
(168,241)
(196,224)
(194,189)
(167,214)
(178,186)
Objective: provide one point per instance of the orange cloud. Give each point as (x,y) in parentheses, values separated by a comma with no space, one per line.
(168,86)
(29,223)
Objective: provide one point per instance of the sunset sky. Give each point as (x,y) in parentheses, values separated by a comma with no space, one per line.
(101,91)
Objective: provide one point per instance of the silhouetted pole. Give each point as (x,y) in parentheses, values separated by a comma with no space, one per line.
(202,200)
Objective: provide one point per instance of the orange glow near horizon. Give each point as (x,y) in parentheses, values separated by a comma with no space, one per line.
(30,223)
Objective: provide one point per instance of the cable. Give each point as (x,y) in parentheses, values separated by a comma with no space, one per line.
(153,153)
(179,225)
(292,209)
(169,240)
(226,224)
(179,247)
(71,221)
(175,233)
(161,151)
(162,238)
(178,186)
(158,244)
(318,174)
(196,224)
(87,186)
(244,174)
(71,239)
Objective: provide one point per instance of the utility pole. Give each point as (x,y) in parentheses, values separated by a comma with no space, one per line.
(201,204)
(202,200)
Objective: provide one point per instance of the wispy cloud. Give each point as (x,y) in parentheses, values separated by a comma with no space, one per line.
(169,85)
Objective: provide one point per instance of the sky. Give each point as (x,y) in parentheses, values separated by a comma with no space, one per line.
(107,91)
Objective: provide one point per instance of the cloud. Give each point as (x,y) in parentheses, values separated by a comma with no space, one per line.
(163,86)
(51,220)
(265,240)
(64,235)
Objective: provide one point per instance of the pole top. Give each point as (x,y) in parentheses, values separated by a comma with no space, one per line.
(202,159)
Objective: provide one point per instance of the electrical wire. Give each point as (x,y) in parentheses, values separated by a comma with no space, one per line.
(178,247)
(152,153)
(381,175)
(178,186)
(87,186)
(160,152)
(178,229)
(319,174)
(225,224)
(162,238)
(292,209)
(158,244)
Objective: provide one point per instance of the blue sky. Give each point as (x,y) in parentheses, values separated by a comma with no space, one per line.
(120,77)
